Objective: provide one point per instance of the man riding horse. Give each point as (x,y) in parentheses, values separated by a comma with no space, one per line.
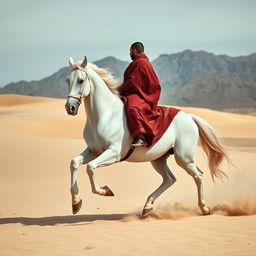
(107,136)
(140,91)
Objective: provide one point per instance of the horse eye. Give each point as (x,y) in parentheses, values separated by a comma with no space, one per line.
(80,81)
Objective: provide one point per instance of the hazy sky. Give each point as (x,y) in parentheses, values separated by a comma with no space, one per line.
(38,36)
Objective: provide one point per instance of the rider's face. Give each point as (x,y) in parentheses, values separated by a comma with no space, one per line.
(132,53)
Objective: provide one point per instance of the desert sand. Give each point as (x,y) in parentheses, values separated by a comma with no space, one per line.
(38,140)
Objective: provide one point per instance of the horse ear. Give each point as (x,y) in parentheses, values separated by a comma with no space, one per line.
(71,61)
(84,64)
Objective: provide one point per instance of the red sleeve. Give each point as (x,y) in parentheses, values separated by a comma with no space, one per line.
(133,83)
(142,81)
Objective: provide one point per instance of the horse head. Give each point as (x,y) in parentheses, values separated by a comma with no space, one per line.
(78,85)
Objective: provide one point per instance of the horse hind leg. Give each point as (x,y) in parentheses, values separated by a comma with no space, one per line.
(188,164)
(160,165)
(201,202)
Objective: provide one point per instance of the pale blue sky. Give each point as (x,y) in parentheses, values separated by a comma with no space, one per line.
(38,36)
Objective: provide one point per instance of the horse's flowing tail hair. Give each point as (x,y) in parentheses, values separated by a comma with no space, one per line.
(212,146)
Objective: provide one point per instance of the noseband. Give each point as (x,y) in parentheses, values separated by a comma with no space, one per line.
(80,96)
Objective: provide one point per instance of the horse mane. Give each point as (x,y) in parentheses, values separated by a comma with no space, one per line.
(111,82)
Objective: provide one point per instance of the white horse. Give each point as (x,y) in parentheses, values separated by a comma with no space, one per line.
(108,139)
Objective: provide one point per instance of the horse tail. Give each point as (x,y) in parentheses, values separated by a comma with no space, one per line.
(212,146)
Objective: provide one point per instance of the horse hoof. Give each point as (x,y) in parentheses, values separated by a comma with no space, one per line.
(206,211)
(146,212)
(76,207)
(108,191)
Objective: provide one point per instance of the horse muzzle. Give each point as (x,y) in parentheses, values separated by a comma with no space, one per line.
(72,109)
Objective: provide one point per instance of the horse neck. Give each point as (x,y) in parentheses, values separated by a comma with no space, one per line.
(101,100)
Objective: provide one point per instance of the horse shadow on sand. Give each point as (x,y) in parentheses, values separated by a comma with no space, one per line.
(57,220)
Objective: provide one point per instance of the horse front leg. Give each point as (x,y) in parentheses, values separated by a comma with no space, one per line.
(108,157)
(83,158)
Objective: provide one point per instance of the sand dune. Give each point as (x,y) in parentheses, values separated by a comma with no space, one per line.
(7,100)
(38,139)
(45,116)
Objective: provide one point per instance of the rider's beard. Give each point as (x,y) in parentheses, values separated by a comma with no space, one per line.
(132,56)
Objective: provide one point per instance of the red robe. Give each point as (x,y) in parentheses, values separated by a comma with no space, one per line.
(140,92)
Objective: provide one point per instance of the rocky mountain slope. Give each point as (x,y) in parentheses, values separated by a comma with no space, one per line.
(190,78)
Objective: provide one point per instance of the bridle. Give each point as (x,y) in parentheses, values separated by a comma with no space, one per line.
(80,96)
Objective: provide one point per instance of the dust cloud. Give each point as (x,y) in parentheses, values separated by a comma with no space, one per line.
(240,207)
(246,206)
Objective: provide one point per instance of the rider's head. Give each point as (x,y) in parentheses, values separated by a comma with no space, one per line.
(136,50)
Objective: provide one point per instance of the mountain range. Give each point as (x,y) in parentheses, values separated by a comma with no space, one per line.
(188,78)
